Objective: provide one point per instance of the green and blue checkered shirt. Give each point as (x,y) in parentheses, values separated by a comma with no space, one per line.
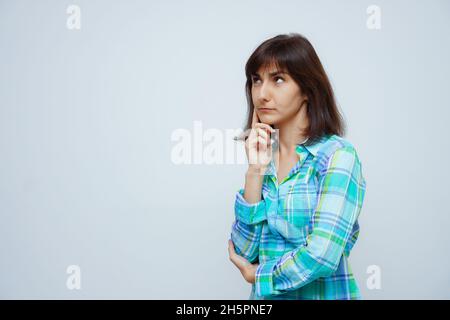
(303,229)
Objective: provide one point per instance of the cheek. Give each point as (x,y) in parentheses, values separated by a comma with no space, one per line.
(290,101)
(254,97)
(287,108)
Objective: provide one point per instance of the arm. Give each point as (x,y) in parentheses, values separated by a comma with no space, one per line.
(249,218)
(340,197)
(250,209)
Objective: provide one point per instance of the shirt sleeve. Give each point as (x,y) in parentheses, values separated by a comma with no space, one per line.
(340,198)
(247,227)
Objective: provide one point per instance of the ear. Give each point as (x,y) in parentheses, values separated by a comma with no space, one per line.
(305,101)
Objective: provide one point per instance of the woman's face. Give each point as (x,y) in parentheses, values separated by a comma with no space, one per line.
(278,92)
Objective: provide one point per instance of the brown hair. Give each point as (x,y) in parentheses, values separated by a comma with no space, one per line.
(294,54)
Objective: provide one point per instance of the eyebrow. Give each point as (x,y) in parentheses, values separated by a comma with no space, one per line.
(271,74)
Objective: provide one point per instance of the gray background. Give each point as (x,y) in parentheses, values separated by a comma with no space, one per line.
(86,118)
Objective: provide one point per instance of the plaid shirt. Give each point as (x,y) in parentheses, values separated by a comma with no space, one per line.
(302,230)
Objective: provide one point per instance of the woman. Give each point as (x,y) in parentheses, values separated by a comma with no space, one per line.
(296,217)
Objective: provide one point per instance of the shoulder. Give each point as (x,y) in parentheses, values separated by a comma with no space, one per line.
(336,149)
(333,143)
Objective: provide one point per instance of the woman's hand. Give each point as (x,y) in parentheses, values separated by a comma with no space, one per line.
(247,269)
(258,146)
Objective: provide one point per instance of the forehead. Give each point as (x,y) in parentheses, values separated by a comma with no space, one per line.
(270,70)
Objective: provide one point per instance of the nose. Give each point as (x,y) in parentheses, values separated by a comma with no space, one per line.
(264,92)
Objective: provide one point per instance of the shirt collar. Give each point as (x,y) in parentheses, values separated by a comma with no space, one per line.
(314,147)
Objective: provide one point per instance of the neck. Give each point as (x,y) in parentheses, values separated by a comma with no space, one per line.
(292,131)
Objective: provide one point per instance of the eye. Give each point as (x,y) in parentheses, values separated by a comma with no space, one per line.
(278,78)
(254,80)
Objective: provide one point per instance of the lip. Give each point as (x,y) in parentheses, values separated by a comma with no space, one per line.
(265,109)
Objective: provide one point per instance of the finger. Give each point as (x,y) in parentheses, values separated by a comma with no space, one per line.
(232,254)
(262,143)
(262,132)
(253,132)
(255,118)
(265,126)
(231,245)
(230,248)
(238,261)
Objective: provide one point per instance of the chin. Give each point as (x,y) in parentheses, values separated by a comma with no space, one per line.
(267,119)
